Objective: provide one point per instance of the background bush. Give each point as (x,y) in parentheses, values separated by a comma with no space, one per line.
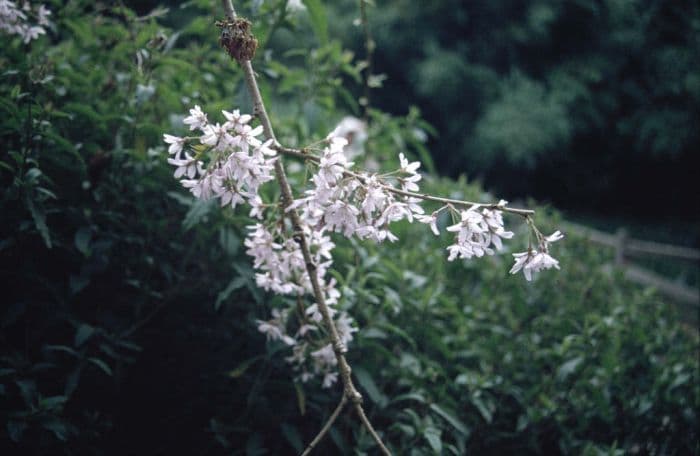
(128,316)
(571,102)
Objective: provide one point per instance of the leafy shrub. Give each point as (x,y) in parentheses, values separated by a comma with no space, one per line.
(92,241)
(464,359)
(104,260)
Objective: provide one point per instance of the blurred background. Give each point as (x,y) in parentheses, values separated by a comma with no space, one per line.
(128,322)
(590,105)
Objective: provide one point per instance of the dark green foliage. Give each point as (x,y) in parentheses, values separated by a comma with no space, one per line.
(127,323)
(92,240)
(466,355)
(570,100)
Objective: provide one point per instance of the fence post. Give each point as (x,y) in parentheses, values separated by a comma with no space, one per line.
(620,246)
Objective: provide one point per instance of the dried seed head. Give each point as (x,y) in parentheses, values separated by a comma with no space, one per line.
(237,38)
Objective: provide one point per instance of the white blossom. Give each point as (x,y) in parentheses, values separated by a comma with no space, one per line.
(431,220)
(43,14)
(354,131)
(471,239)
(556,236)
(197,119)
(493,218)
(477,232)
(234,166)
(239,166)
(325,355)
(15,21)
(230,195)
(274,329)
(375,197)
(236,120)
(248,136)
(176,144)
(187,166)
(329,379)
(532,261)
(217,136)
(407,167)
(342,217)
(333,163)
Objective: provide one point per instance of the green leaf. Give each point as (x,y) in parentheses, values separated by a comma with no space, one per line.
(27,389)
(82,240)
(102,365)
(39,221)
(317,15)
(184,199)
(569,367)
(484,406)
(450,417)
(240,370)
(53,402)
(61,348)
(235,284)
(399,332)
(83,333)
(229,241)
(365,380)
(301,398)
(432,435)
(128,345)
(292,435)
(15,429)
(412,396)
(78,283)
(72,381)
(197,213)
(58,427)
(405,428)
(7,167)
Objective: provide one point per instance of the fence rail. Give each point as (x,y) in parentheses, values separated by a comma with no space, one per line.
(626,247)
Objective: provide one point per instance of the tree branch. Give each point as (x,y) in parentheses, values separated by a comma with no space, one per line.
(350,391)
(302,154)
(326,427)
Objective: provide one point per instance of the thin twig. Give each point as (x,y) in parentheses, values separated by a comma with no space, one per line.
(286,195)
(369,52)
(300,153)
(437,199)
(326,427)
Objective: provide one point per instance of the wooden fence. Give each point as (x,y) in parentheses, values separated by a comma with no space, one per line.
(625,248)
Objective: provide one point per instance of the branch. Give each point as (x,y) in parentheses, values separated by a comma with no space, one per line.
(512,210)
(326,427)
(302,154)
(369,51)
(350,392)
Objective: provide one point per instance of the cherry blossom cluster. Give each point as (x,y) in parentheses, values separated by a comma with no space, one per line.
(358,204)
(238,162)
(476,232)
(282,270)
(227,161)
(535,261)
(364,205)
(16,21)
